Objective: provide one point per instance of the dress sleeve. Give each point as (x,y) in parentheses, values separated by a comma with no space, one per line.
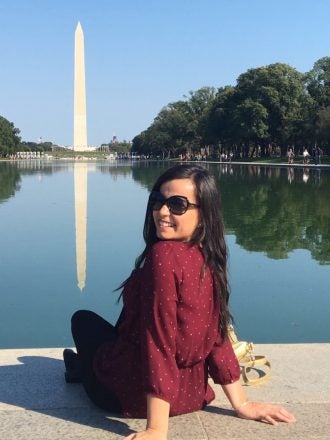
(222,363)
(159,323)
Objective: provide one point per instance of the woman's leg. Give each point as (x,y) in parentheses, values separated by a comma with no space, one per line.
(89,331)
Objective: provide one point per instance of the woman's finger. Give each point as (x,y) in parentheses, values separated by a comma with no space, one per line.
(286,415)
(270,420)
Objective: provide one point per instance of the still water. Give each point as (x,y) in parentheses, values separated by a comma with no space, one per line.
(70,232)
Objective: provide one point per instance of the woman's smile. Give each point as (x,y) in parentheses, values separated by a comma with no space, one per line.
(166,224)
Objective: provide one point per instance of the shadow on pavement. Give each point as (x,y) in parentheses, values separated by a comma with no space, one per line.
(37,384)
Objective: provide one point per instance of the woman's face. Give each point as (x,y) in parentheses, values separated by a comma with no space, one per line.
(177,227)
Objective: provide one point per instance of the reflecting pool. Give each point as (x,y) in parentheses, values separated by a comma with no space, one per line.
(70,232)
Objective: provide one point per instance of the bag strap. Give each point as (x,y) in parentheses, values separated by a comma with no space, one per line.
(248,361)
(246,367)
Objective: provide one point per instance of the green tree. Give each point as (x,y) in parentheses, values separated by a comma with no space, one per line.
(251,122)
(318,82)
(220,124)
(179,127)
(197,109)
(34,146)
(9,137)
(279,88)
(166,135)
(318,86)
(323,125)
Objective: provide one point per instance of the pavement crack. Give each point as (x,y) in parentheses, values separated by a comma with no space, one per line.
(202,426)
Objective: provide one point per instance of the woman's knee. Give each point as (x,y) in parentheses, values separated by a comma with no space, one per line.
(80,318)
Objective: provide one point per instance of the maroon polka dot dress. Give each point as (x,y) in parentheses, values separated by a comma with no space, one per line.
(168,341)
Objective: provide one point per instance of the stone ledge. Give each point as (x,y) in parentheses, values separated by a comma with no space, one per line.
(36,403)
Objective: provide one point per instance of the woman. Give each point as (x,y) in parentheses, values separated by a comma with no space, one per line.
(172,332)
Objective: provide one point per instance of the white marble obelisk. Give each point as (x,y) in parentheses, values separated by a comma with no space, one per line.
(80,126)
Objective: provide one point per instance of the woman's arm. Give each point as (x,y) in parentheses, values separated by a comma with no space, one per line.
(158,415)
(157,420)
(224,370)
(245,409)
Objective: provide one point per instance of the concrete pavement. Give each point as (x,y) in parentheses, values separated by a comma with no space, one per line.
(36,403)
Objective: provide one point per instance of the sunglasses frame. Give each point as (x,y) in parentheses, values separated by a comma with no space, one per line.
(160,199)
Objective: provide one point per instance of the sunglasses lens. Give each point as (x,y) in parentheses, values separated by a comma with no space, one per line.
(156,201)
(177,205)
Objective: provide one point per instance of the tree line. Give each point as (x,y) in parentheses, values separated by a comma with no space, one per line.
(268,111)
(11,143)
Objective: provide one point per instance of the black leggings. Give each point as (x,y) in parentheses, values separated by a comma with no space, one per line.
(89,331)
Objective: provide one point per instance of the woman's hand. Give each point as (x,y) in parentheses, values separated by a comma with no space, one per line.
(148,434)
(245,409)
(265,412)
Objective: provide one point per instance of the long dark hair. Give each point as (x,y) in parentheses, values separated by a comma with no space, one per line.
(209,235)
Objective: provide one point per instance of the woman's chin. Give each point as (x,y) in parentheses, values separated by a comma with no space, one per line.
(165,235)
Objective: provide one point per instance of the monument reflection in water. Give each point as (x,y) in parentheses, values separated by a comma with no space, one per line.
(80,204)
(278,232)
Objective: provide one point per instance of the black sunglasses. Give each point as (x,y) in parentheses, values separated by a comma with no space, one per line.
(177,205)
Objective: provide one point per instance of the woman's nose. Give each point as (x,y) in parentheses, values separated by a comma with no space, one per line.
(164,210)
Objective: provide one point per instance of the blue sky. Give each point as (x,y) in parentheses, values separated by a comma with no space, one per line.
(140,55)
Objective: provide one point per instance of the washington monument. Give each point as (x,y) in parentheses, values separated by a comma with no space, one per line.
(80,127)
(80,144)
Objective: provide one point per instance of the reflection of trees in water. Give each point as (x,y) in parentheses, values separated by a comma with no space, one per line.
(9,181)
(114,169)
(11,173)
(269,215)
(143,172)
(267,211)
(264,211)
(29,167)
(146,176)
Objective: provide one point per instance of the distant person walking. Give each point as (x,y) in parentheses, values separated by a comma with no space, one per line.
(317,155)
(306,156)
(290,155)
